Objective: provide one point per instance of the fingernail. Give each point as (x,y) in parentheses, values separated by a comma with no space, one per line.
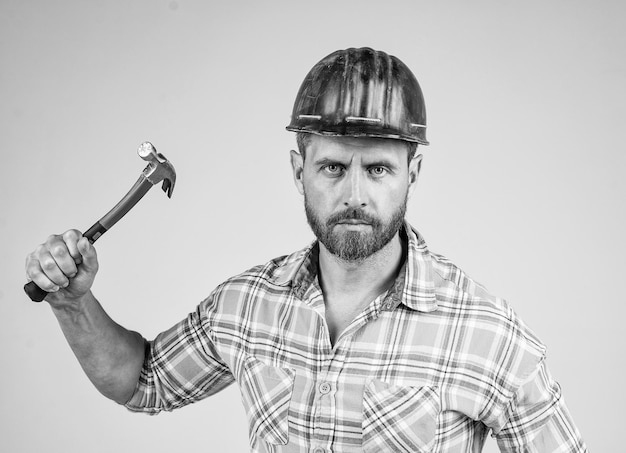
(54,289)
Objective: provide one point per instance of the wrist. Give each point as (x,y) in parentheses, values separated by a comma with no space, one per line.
(67,306)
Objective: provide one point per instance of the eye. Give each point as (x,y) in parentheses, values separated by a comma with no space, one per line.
(332,169)
(378,171)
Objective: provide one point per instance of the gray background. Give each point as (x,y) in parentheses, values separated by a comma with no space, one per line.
(523,185)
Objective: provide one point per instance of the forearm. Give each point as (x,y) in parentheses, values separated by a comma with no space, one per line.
(110,355)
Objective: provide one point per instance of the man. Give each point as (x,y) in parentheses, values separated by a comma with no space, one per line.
(362,341)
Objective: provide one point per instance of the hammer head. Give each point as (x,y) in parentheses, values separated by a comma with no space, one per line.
(159,168)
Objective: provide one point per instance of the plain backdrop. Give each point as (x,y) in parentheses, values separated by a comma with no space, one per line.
(523,185)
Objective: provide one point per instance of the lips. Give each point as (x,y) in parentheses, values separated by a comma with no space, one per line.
(353,217)
(352,222)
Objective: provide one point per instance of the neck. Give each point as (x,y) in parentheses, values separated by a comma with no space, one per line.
(370,276)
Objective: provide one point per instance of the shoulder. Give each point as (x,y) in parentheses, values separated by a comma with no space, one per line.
(493,351)
(487,325)
(273,278)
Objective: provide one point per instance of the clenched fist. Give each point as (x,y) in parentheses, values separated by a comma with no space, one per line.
(65,266)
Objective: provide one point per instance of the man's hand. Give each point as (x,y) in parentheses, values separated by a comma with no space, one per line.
(65,266)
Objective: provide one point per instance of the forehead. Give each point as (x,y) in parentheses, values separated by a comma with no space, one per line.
(341,147)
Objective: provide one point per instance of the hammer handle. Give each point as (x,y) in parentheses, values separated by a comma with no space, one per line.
(136,192)
(37,294)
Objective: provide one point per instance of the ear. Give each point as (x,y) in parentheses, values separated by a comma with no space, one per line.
(297,166)
(414,169)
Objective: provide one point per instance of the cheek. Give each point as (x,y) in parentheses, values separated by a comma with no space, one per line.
(392,197)
(317,191)
(316,197)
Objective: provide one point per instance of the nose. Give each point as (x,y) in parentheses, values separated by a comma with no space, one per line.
(355,195)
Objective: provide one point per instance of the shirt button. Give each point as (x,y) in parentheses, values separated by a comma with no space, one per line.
(324,388)
(319,450)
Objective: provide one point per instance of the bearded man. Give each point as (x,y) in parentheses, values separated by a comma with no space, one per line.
(362,341)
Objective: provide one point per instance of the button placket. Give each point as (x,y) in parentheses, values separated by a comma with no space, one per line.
(325,404)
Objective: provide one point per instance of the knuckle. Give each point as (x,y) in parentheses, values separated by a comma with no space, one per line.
(71,235)
(52,238)
(59,250)
(31,267)
(47,264)
(30,258)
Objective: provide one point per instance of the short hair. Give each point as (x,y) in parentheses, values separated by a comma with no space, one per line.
(304,138)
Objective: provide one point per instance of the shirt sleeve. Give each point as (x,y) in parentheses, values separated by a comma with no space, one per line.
(538,419)
(181,366)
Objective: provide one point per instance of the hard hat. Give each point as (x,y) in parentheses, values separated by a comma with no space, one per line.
(361,93)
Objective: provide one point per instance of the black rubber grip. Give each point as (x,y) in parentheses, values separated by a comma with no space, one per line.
(37,294)
(93,233)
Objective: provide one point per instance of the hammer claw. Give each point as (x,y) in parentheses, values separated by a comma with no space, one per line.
(168,187)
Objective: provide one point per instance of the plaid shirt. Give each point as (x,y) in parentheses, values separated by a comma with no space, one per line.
(433,364)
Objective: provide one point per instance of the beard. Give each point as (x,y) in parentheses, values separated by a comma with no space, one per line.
(355,245)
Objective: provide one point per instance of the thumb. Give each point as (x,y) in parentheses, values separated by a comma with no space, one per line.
(88,252)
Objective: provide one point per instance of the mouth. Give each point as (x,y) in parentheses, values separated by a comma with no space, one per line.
(353,222)
(352,218)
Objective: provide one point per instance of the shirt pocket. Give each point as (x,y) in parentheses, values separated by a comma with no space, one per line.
(266,393)
(399,418)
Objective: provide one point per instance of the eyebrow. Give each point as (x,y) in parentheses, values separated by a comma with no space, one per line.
(328,161)
(380,162)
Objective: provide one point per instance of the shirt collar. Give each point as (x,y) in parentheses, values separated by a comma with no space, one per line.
(298,269)
(414,286)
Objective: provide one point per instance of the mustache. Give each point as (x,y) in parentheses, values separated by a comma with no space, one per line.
(352,214)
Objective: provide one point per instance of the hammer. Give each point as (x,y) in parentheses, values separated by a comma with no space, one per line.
(158,169)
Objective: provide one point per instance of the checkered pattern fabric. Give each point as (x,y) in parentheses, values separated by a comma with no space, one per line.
(434,364)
